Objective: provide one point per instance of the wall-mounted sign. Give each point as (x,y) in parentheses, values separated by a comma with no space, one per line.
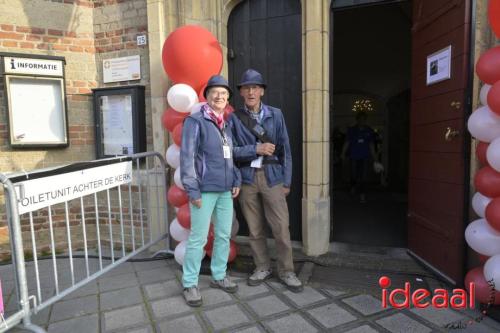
(121,69)
(439,66)
(32,66)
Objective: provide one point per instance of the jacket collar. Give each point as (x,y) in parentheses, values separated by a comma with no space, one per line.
(263,108)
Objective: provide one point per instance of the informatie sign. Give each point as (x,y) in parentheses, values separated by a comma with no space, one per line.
(31,66)
(43,192)
(121,69)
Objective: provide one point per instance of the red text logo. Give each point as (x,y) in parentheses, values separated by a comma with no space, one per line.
(459,299)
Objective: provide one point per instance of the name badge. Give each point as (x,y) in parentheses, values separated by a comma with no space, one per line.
(227,151)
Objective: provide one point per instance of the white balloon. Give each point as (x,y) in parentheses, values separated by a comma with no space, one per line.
(173,155)
(197,107)
(177,178)
(179,252)
(482,238)
(493,154)
(483,94)
(479,203)
(484,125)
(176,209)
(178,232)
(491,271)
(182,97)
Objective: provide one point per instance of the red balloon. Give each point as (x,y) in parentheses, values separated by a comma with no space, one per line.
(481,152)
(488,66)
(492,214)
(176,196)
(177,134)
(493,98)
(483,290)
(494,16)
(184,216)
(172,118)
(202,98)
(191,55)
(487,182)
(482,258)
(228,110)
(233,251)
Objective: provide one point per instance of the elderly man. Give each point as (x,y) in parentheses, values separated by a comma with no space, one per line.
(262,152)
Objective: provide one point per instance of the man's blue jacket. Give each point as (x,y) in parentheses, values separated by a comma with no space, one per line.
(245,148)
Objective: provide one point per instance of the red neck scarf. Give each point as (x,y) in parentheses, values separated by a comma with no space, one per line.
(216,117)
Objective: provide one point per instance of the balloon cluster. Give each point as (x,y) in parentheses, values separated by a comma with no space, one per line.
(483,235)
(190,56)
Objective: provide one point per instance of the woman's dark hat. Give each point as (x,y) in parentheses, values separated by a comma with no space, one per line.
(251,77)
(217,81)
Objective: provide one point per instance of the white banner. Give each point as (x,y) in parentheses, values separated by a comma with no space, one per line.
(43,192)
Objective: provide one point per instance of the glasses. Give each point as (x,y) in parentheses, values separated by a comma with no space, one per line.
(223,93)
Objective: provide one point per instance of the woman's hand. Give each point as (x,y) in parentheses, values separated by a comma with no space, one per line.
(196,203)
(235,191)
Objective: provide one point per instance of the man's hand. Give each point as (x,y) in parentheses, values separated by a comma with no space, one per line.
(196,203)
(266,149)
(286,191)
(235,191)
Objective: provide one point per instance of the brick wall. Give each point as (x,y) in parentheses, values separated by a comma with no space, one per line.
(85,32)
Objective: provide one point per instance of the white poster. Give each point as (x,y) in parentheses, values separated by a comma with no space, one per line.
(118,136)
(439,66)
(42,192)
(121,69)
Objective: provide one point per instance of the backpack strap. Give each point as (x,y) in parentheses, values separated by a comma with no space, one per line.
(253,126)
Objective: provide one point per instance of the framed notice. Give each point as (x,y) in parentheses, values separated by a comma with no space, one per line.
(120,121)
(121,69)
(439,66)
(36,101)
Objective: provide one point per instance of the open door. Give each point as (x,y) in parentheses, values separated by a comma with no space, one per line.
(438,162)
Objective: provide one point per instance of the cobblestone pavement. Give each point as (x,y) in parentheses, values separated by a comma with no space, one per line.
(146,297)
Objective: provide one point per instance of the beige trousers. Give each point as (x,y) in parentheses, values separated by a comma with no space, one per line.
(260,202)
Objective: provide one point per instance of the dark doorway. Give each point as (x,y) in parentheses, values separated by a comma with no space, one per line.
(371,53)
(266,36)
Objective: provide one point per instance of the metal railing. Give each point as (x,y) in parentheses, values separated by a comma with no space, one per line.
(73,239)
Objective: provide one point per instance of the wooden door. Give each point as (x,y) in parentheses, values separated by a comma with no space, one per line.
(438,180)
(266,36)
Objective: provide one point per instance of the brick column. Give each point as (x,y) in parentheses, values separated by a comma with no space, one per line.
(316,129)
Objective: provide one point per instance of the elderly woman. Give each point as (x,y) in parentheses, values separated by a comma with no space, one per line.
(211,181)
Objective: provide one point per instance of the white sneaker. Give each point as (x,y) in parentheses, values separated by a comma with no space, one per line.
(192,296)
(291,281)
(258,276)
(225,284)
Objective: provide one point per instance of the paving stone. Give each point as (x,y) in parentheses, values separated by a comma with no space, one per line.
(292,323)
(331,315)
(84,324)
(163,289)
(227,316)
(363,329)
(123,268)
(253,329)
(245,291)
(439,317)
(400,323)
(155,275)
(88,289)
(170,306)
(333,292)
(203,281)
(306,297)
(188,324)
(365,304)
(215,296)
(74,308)
(145,329)
(122,318)
(42,317)
(276,285)
(147,265)
(120,298)
(269,305)
(113,283)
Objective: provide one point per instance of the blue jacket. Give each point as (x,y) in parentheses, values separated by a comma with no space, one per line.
(203,166)
(245,144)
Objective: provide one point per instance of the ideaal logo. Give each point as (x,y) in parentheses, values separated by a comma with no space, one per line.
(460,298)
